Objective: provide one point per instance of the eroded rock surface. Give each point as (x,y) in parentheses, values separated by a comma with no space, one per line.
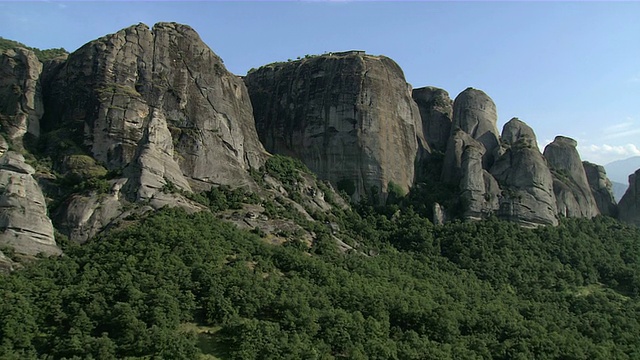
(478,189)
(436,111)
(601,188)
(570,185)
(24,224)
(348,116)
(629,205)
(20,94)
(475,113)
(160,101)
(526,181)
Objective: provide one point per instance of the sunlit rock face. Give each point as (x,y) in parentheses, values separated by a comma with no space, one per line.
(348,116)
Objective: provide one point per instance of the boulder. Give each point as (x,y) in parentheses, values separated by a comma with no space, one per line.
(525,180)
(601,188)
(570,185)
(349,117)
(475,113)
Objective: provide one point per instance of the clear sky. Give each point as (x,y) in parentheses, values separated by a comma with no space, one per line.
(565,68)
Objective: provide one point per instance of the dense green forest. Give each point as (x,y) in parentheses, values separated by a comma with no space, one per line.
(178,286)
(43,55)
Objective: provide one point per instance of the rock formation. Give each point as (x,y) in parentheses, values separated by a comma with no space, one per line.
(525,180)
(478,189)
(475,113)
(601,189)
(160,102)
(20,94)
(629,205)
(24,224)
(348,116)
(157,106)
(570,185)
(436,111)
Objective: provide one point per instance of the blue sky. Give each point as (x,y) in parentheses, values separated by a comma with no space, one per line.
(565,68)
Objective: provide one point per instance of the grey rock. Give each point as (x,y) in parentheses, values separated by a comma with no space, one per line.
(601,188)
(478,189)
(24,223)
(629,205)
(20,94)
(161,97)
(439,214)
(452,163)
(348,116)
(475,113)
(525,180)
(570,185)
(436,111)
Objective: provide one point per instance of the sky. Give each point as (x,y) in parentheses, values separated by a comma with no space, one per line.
(565,68)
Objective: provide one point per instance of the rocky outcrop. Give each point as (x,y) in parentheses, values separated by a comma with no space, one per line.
(601,188)
(570,185)
(629,205)
(20,94)
(24,224)
(475,113)
(159,104)
(348,116)
(463,167)
(436,111)
(478,189)
(525,180)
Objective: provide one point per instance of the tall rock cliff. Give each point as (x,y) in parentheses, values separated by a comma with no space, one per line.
(348,116)
(20,94)
(160,103)
(629,205)
(156,106)
(570,184)
(601,188)
(526,181)
(436,112)
(24,224)
(475,113)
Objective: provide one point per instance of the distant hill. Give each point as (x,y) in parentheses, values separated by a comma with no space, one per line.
(619,171)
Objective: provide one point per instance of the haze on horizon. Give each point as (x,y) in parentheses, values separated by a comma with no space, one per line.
(567,69)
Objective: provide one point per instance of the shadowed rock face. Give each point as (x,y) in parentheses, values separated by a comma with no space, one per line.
(601,188)
(475,113)
(436,111)
(159,103)
(629,205)
(20,94)
(570,185)
(525,180)
(348,116)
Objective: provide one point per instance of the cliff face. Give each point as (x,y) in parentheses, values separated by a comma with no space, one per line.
(348,116)
(570,184)
(525,180)
(156,106)
(629,206)
(601,188)
(24,223)
(475,113)
(159,103)
(436,112)
(20,94)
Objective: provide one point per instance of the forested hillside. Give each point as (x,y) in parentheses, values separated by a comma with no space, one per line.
(176,285)
(43,55)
